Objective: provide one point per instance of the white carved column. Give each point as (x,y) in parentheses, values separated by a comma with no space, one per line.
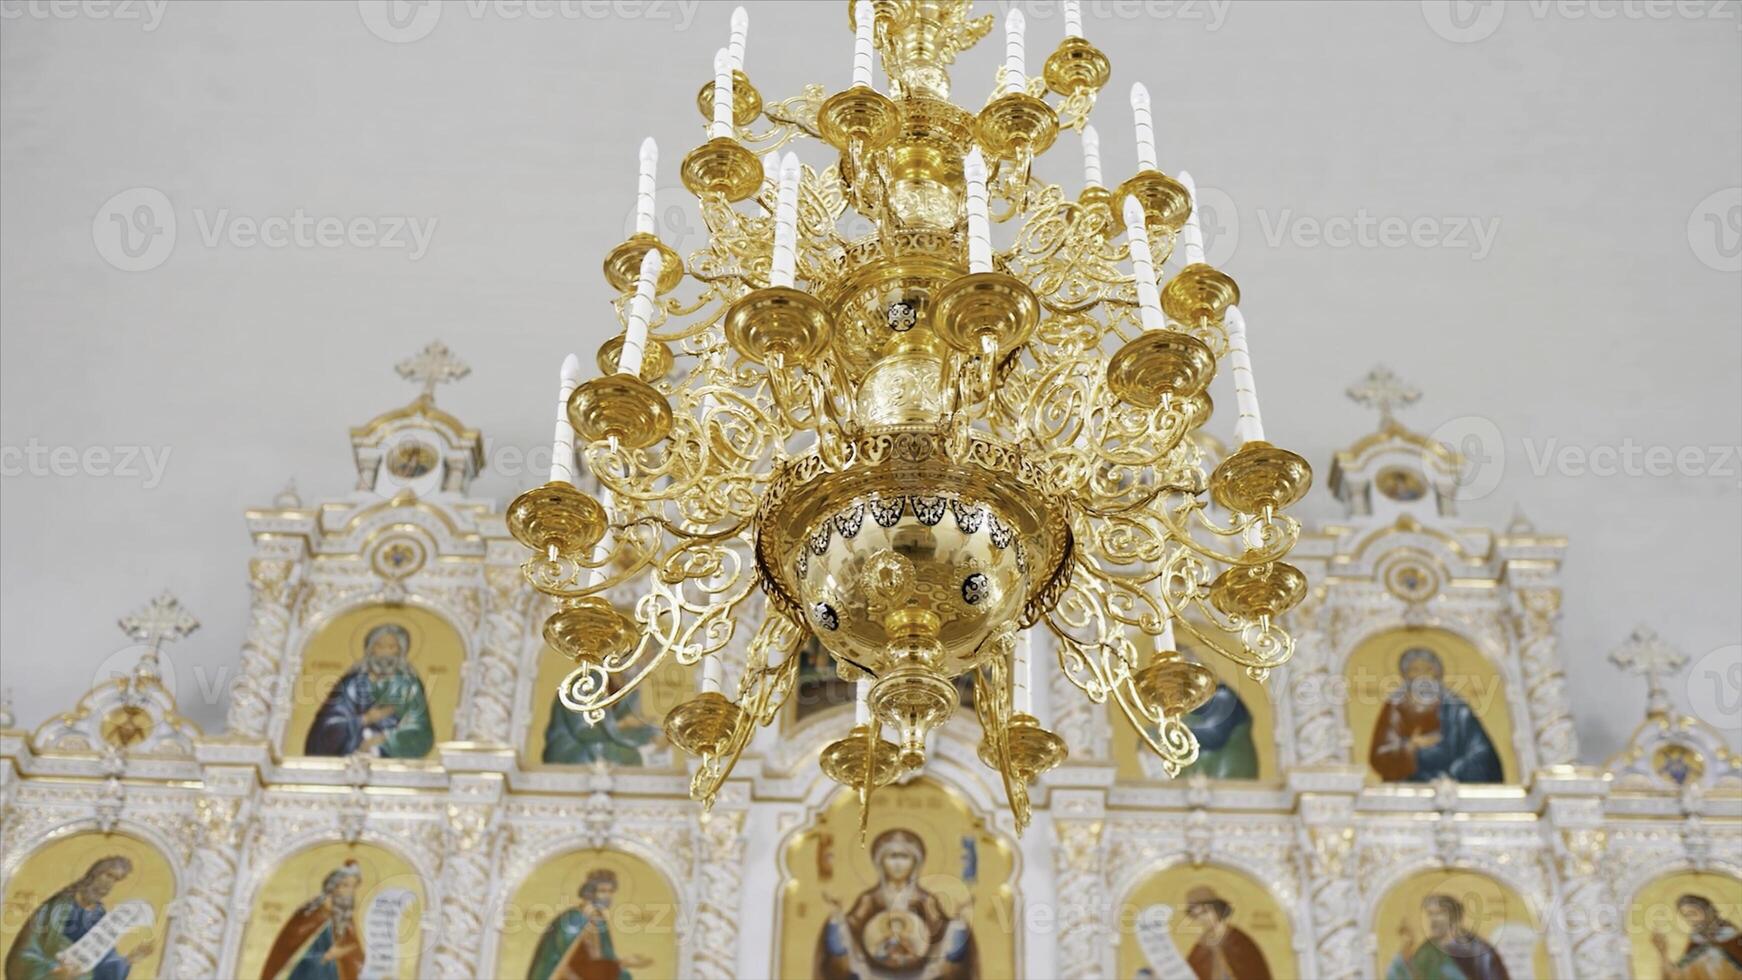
(1535,616)
(719,874)
(472,844)
(1314,682)
(491,677)
(1083,724)
(275,583)
(224,813)
(1584,900)
(1079,870)
(1328,867)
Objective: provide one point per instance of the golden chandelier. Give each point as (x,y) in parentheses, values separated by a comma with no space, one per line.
(910,444)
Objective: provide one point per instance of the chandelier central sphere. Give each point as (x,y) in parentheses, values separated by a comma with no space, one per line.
(914,445)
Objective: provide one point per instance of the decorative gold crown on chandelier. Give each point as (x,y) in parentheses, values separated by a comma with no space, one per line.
(915,446)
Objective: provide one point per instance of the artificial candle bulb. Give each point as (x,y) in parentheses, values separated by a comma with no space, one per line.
(1145,127)
(1073,19)
(862,703)
(1022,675)
(1143,266)
(1091,157)
(1192,235)
(1249,426)
(713,675)
(640,312)
(644,189)
(786,224)
(740,29)
(1015,70)
(863,21)
(722,127)
(771,174)
(562,450)
(1166,641)
(979,219)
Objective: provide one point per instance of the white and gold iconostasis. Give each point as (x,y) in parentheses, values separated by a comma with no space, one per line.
(399,792)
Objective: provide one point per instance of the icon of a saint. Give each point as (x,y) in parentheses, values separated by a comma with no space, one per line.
(1426,732)
(320,941)
(577,945)
(1451,951)
(1223,951)
(44,948)
(378,706)
(897,928)
(1714,949)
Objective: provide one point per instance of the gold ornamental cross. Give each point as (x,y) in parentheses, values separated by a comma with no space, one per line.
(433,365)
(1385,391)
(162,620)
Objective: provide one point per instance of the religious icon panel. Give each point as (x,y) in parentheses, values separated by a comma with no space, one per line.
(929,892)
(1235,729)
(1203,923)
(1424,704)
(1682,926)
(336,912)
(631,734)
(381,681)
(1458,925)
(89,905)
(591,914)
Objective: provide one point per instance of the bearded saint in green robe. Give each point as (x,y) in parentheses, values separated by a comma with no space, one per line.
(378,707)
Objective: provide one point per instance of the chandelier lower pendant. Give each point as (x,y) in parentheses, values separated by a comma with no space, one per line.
(908,444)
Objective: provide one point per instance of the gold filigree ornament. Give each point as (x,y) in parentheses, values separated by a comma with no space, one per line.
(839,428)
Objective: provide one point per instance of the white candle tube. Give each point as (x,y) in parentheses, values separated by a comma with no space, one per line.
(562,449)
(864,19)
(1249,426)
(785,259)
(1073,18)
(1192,235)
(713,674)
(640,312)
(862,703)
(644,187)
(722,127)
(1091,157)
(771,175)
(1015,64)
(1166,642)
(1022,675)
(1143,267)
(740,30)
(979,217)
(1145,127)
